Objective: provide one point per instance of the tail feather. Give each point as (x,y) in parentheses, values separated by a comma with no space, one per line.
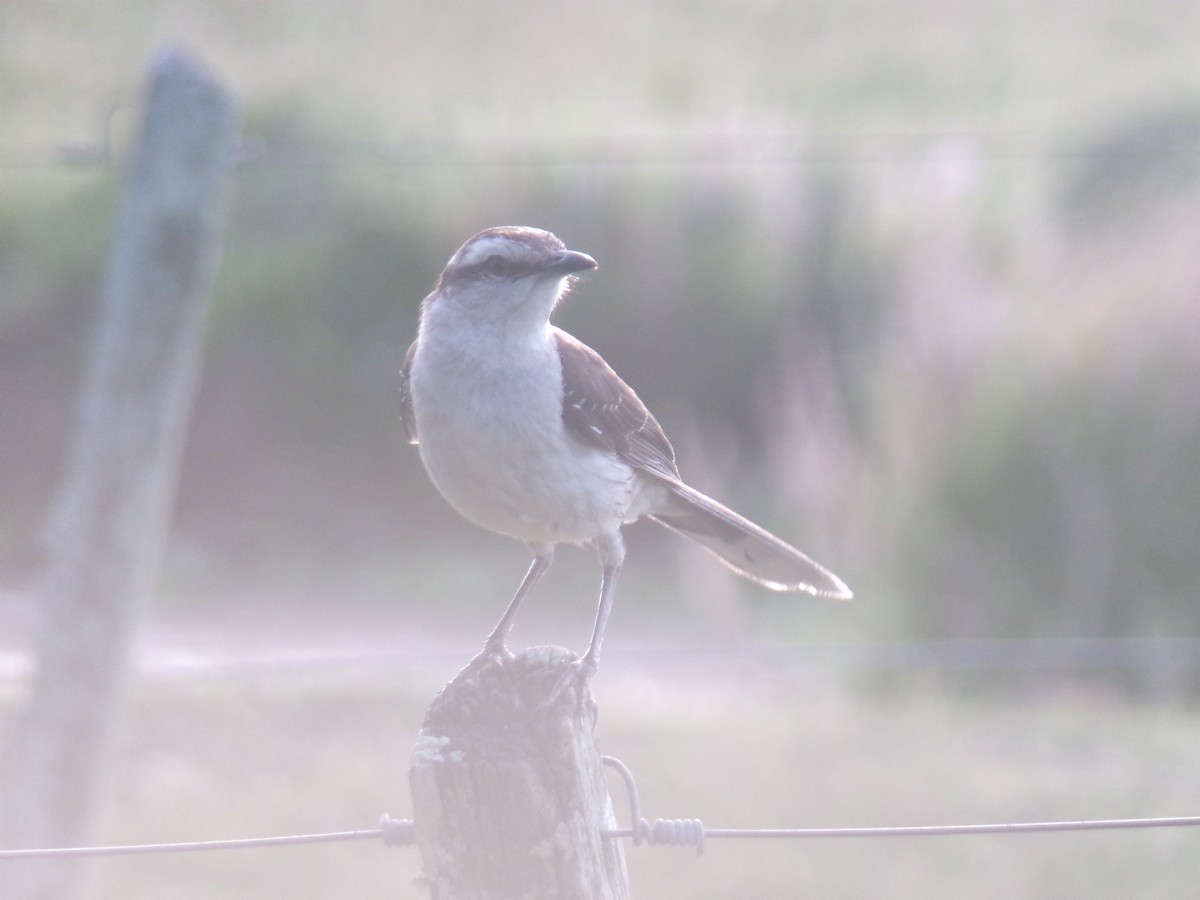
(746,548)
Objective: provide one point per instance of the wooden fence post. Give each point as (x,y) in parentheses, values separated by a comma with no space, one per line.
(109,523)
(508,792)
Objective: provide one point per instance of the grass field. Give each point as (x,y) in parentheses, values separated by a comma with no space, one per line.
(264,744)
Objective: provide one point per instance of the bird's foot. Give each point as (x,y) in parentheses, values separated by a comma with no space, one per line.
(494,648)
(573,686)
(493,651)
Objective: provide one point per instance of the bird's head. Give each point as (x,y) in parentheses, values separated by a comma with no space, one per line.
(510,273)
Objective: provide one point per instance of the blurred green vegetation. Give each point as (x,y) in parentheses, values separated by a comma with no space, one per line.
(916,289)
(913,284)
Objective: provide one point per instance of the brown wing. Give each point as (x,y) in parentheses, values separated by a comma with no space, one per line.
(406,408)
(602,411)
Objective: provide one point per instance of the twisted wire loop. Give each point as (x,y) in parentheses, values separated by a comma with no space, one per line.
(670,832)
(397,832)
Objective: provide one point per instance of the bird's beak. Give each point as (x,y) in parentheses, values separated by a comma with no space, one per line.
(570,261)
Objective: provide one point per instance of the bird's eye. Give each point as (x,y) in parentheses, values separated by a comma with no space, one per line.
(497,265)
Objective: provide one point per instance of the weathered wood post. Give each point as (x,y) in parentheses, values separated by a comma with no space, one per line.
(109,523)
(508,792)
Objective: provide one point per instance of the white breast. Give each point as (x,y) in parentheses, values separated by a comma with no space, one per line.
(489,417)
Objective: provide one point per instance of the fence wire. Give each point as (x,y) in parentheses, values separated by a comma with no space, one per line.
(660,832)
(786,147)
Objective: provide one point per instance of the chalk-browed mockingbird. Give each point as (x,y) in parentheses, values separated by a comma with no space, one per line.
(528,432)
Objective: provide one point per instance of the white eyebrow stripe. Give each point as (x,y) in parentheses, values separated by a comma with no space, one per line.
(487,246)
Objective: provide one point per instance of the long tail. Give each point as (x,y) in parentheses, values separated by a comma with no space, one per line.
(747,549)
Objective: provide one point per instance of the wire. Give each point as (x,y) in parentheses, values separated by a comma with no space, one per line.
(191,846)
(394,832)
(669,832)
(936,830)
(1034,655)
(692,833)
(627,151)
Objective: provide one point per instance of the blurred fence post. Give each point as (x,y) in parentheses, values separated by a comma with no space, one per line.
(508,792)
(107,529)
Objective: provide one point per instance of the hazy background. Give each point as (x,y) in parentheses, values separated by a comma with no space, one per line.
(915,285)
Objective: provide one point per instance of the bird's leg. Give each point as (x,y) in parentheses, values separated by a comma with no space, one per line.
(575,678)
(612,554)
(543,555)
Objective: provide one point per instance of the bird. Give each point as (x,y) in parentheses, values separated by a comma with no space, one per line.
(528,432)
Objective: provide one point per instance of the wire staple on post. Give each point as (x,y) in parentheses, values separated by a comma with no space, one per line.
(673,832)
